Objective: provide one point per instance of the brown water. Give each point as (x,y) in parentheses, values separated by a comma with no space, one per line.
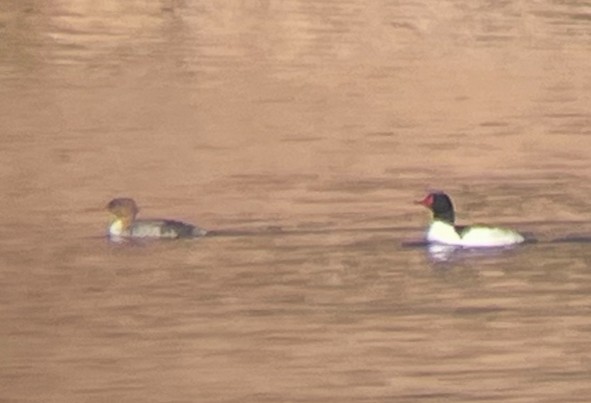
(304,130)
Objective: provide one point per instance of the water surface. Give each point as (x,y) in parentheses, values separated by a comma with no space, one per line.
(302,132)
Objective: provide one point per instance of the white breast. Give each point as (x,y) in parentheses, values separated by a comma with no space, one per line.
(444,233)
(116,228)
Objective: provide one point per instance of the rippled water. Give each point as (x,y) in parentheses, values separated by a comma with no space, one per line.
(302,132)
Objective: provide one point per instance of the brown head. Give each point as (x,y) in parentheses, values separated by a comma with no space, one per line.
(123,209)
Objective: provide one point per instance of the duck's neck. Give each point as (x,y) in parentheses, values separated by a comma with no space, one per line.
(447,216)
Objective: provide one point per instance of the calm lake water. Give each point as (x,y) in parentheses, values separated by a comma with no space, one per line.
(302,131)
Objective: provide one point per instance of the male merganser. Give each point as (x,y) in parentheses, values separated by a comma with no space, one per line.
(124,224)
(443,231)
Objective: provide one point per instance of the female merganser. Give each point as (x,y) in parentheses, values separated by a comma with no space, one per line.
(443,231)
(124,224)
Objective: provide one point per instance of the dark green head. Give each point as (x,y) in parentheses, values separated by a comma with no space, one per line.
(440,204)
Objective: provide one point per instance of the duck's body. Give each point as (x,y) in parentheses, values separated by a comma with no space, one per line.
(473,236)
(125,225)
(155,229)
(444,231)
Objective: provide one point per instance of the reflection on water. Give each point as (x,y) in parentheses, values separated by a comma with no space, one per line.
(449,253)
(300,133)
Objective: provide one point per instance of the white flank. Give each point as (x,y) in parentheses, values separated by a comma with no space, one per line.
(476,237)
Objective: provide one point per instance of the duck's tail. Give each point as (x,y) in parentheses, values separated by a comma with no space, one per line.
(199,232)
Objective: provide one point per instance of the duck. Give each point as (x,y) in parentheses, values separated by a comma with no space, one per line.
(124,224)
(443,230)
